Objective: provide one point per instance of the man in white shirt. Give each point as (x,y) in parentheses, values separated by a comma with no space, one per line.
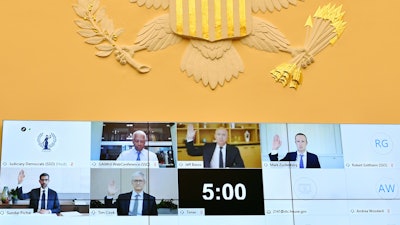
(215,155)
(134,203)
(43,200)
(303,158)
(138,152)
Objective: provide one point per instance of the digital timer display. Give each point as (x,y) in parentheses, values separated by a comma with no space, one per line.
(222,191)
(228,192)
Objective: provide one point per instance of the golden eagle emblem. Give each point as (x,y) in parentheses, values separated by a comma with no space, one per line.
(212,26)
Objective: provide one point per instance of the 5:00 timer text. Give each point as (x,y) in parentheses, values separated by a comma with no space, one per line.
(228,192)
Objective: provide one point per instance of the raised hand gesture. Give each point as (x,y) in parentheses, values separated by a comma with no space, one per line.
(190,133)
(112,188)
(21,176)
(276,142)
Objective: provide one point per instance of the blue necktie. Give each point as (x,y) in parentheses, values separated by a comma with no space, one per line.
(301,161)
(138,156)
(135,206)
(43,204)
(221,160)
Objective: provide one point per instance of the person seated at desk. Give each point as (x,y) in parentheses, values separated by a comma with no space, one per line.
(43,200)
(215,155)
(134,203)
(138,152)
(304,158)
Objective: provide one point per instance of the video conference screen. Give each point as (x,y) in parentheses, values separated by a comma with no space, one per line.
(147,173)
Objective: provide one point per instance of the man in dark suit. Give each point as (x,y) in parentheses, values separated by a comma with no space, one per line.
(134,203)
(43,200)
(304,158)
(215,155)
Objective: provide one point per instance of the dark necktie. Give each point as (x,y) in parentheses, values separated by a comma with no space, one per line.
(43,204)
(138,156)
(301,161)
(221,160)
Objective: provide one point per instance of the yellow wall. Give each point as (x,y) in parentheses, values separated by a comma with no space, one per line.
(47,72)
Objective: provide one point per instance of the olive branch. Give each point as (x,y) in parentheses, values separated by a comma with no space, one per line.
(99,30)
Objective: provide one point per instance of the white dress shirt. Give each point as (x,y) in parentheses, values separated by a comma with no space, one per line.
(275,152)
(46,191)
(140,202)
(132,154)
(304,159)
(215,158)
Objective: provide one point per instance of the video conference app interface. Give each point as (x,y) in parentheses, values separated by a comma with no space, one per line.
(197,173)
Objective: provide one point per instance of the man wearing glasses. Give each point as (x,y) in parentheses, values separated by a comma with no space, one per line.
(43,200)
(138,152)
(134,203)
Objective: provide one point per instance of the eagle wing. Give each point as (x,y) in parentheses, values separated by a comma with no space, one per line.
(265,37)
(271,5)
(152,3)
(157,34)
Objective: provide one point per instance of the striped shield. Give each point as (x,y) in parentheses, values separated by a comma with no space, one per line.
(211,20)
